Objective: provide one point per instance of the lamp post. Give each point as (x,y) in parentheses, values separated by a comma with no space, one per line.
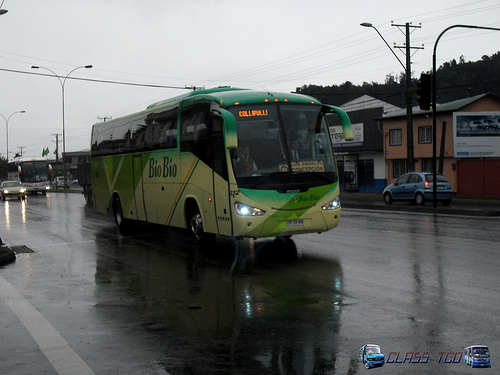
(7,130)
(62,81)
(434,99)
(408,94)
(2,11)
(368,24)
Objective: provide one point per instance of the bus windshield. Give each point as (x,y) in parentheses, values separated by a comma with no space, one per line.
(34,171)
(372,350)
(282,145)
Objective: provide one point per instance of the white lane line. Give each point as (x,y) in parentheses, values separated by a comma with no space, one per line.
(64,359)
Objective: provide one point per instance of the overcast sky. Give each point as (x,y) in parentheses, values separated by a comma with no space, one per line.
(278,45)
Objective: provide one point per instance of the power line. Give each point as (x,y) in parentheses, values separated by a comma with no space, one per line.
(98,80)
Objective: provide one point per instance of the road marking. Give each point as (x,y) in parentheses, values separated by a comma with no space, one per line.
(62,357)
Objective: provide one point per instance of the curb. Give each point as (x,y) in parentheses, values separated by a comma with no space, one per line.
(6,255)
(465,211)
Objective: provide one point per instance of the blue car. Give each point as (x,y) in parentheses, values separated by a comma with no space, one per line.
(417,187)
(371,356)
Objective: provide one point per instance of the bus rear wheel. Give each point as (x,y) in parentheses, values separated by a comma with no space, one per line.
(123,224)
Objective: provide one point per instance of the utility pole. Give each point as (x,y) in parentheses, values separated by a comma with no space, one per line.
(57,141)
(21,148)
(104,118)
(408,95)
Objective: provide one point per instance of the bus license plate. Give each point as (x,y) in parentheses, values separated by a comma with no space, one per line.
(295,223)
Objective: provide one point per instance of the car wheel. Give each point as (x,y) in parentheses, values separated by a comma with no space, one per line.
(387,198)
(366,365)
(419,199)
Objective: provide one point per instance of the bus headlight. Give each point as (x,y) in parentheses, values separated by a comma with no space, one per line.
(333,205)
(246,210)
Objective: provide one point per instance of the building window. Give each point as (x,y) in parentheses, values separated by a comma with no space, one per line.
(426,165)
(398,167)
(425,134)
(395,137)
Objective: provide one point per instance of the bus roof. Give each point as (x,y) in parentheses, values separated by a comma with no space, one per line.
(227,96)
(30,159)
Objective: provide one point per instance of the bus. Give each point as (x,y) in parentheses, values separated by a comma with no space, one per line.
(34,174)
(185,162)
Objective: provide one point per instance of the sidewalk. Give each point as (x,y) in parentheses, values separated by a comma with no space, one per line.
(459,205)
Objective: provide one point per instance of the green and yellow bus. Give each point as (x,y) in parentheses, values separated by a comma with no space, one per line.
(226,161)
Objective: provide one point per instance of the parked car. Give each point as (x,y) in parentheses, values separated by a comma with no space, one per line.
(13,189)
(417,187)
(477,355)
(371,356)
(59,182)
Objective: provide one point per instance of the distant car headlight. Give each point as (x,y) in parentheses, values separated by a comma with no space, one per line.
(22,190)
(6,191)
(246,210)
(333,205)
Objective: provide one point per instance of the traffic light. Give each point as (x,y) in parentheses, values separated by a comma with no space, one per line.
(424,91)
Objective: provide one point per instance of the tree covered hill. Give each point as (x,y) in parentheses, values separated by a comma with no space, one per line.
(455,80)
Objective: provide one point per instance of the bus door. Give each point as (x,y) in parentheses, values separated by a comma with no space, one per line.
(140,208)
(221,185)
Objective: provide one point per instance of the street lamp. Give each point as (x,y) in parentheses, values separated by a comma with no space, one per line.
(2,11)
(368,24)
(63,82)
(7,130)
(434,99)
(408,94)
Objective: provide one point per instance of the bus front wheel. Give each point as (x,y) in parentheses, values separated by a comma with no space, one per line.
(195,225)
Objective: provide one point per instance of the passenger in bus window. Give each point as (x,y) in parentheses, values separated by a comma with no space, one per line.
(295,151)
(245,163)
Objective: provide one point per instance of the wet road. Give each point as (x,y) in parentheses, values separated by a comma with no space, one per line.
(89,300)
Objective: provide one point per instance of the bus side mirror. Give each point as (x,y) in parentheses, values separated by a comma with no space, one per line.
(229,127)
(344,121)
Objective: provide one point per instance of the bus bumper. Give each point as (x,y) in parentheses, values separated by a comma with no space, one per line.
(286,223)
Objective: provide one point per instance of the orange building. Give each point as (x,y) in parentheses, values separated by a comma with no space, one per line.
(462,155)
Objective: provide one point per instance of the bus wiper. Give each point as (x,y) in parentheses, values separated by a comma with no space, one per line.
(318,175)
(259,181)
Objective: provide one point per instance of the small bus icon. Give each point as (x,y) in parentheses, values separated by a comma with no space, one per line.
(477,356)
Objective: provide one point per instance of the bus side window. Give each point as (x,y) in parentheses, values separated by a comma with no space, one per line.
(196,130)
(138,131)
(102,144)
(165,129)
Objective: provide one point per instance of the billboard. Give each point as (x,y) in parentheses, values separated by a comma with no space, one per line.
(339,141)
(476,134)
